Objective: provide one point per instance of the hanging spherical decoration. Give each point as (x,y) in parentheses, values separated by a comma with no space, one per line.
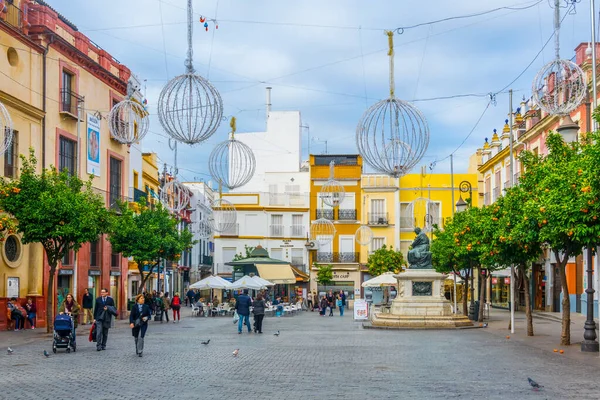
(189,107)
(174,196)
(223,217)
(232,163)
(322,231)
(6,129)
(128,121)
(424,212)
(363,235)
(332,193)
(392,135)
(559,87)
(204,230)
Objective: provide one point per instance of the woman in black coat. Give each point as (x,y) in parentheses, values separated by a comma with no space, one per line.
(138,322)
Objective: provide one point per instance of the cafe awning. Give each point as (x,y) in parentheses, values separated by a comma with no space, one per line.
(276,273)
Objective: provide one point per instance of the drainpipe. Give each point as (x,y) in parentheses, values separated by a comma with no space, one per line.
(44,91)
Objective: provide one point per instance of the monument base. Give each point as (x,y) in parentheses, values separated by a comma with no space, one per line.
(420,303)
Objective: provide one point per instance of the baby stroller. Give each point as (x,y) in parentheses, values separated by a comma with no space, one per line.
(64,338)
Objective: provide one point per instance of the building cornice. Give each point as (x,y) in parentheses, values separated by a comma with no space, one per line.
(21,105)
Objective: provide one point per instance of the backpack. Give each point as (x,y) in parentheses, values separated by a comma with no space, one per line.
(176,301)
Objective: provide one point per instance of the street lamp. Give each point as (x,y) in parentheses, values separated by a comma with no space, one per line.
(568,129)
(461,205)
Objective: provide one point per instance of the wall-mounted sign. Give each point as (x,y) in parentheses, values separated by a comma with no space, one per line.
(93,145)
(507,281)
(12,287)
(287,243)
(94,272)
(65,272)
(494,281)
(115,273)
(337,275)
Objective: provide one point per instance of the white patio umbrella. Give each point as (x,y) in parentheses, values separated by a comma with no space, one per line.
(385,279)
(211,282)
(246,282)
(262,281)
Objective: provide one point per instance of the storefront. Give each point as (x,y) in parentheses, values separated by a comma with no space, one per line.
(93,285)
(345,277)
(501,288)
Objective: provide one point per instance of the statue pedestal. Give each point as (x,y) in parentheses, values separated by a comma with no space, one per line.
(420,303)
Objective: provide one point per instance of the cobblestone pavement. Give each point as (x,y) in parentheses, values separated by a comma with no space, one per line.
(314,357)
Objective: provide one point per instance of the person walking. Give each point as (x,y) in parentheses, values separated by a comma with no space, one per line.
(176,306)
(340,303)
(323,306)
(190,295)
(242,306)
(31,312)
(138,322)
(103,318)
(330,300)
(166,305)
(259,312)
(87,302)
(70,307)
(343,306)
(309,296)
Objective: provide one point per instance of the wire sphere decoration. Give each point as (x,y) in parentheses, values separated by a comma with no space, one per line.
(392,136)
(363,235)
(223,217)
(6,129)
(189,107)
(174,196)
(332,193)
(204,230)
(559,87)
(423,211)
(322,231)
(232,163)
(128,121)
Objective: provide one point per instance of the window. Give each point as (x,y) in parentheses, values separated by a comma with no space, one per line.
(66,260)
(378,215)
(297,257)
(115,182)
(66,155)
(297,225)
(377,243)
(434,215)
(115,260)
(136,176)
(11,156)
(406,218)
(277,225)
(67,103)
(277,253)
(94,254)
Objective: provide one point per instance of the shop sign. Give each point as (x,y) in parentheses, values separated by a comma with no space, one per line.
(338,275)
(93,272)
(12,287)
(507,281)
(65,272)
(361,309)
(115,273)
(494,281)
(287,243)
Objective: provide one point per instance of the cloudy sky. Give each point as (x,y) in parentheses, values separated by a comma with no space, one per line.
(328,60)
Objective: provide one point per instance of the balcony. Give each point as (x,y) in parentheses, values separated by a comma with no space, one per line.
(378,219)
(344,257)
(326,213)
(207,260)
(13,16)
(346,214)
(137,194)
(297,231)
(69,103)
(276,231)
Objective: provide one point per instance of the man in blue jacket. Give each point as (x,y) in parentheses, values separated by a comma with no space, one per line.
(242,306)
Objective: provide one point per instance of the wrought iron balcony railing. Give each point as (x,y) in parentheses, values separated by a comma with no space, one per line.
(207,260)
(326,213)
(346,214)
(380,218)
(337,257)
(69,102)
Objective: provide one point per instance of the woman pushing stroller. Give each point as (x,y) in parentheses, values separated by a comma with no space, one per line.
(70,307)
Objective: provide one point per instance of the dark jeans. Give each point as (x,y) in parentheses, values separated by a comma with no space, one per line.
(19,321)
(31,319)
(139,331)
(101,335)
(165,313)
(258,320)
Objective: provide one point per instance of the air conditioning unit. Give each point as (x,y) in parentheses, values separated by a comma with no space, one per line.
(311,245)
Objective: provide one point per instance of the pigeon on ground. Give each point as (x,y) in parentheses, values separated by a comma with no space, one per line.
(534,384)
(206,342)
(235,352)
(9,350)
(485,325)
(46,354)
(276,333)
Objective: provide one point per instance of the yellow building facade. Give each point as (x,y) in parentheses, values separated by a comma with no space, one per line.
(150,182)
(342,252)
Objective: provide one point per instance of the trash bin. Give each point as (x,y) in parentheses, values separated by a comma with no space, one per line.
(130,304)
(476,309)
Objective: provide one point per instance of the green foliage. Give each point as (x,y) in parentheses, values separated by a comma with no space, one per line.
(324,274)
(148,236)
(385,259)
(240,256)
(57,210)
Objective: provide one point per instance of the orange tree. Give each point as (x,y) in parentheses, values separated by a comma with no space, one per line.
(55,209)
(385,259)
(148,236)
(510,238)
(563,190)
(458,248)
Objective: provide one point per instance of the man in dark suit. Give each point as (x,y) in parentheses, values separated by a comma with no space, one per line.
(102,318)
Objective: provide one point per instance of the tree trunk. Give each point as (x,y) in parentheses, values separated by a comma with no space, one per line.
(464,296)
(565,335)
(50,300)
(528,312)
(144,278)
(482,288)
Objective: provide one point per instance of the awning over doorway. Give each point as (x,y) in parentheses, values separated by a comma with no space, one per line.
(278,274)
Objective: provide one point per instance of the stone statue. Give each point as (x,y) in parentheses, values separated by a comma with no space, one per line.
(419,256)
